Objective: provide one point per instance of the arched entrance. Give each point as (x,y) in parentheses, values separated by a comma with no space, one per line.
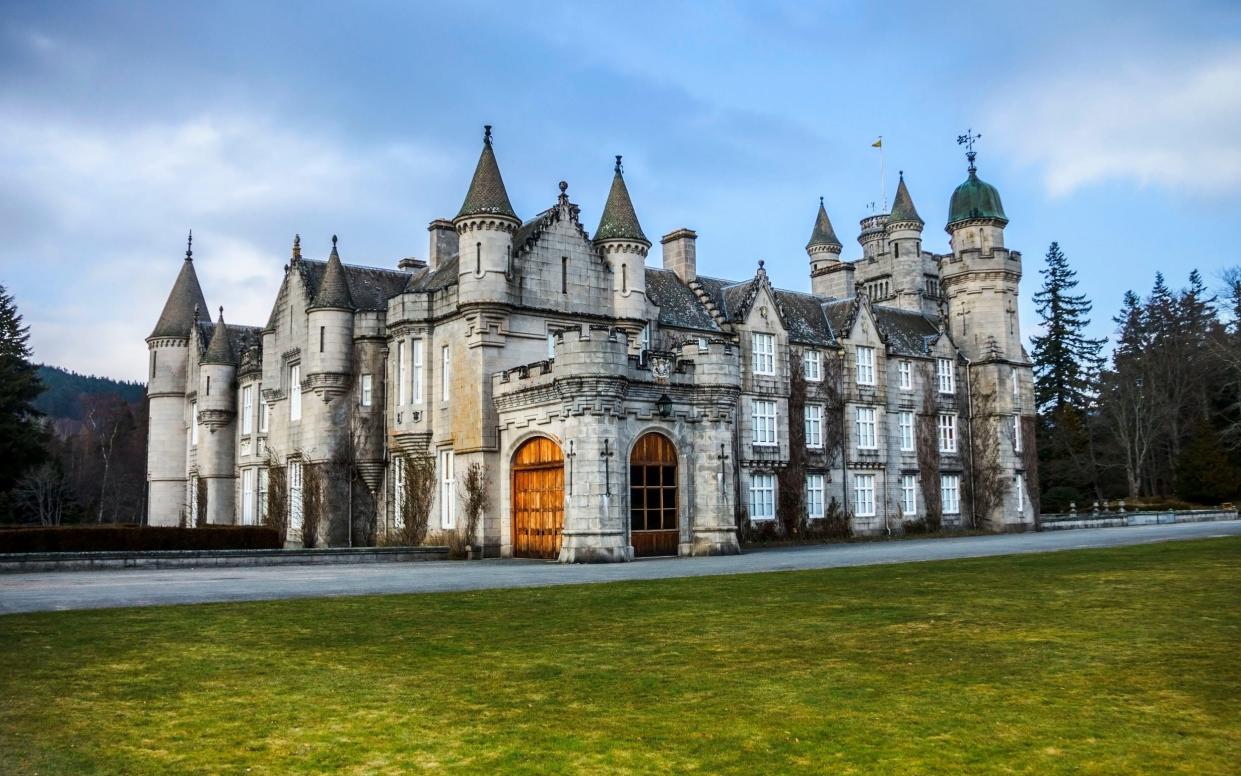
(538,499)
(653,526)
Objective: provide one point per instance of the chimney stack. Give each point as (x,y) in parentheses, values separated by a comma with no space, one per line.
(443,242)
(681,253)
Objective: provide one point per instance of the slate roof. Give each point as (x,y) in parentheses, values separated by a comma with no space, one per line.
(220,351)
(177,318)
(678,305)
(240,340)
(839,314)
(903,206)
(370,288)
(487,195)
(619,221)
(905,331)
(823,233)
(333,291)
(444,275)
(803,318)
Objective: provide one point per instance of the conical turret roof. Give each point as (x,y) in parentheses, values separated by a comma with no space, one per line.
(178,318)
(823,235)
(487,195)
(619,221)
(220,349)
(903,206)
(334,287)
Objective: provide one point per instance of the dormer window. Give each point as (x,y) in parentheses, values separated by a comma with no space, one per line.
(763,358)
(865,365)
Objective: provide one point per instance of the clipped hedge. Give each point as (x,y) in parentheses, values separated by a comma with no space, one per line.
(122,538)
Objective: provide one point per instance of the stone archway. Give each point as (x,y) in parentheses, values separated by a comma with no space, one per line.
(653,496)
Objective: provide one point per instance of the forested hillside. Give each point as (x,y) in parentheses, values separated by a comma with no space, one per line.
(63,391)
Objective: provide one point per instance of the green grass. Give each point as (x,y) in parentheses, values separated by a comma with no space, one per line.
(1103,661)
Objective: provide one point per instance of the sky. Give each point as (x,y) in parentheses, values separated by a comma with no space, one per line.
(1111,128)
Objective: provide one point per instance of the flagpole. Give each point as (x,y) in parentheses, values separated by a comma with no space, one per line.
(883,184)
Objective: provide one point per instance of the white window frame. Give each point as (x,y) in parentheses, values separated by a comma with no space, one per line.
(763,425)
(193,424)
(864,355)
(812,366)
(905,422)
(247,496)
(416,346)
(448,504)
(1016,433)
(909,495)
(296,503)
(816,491)
(950,494)
(946,376)
(702,345)
(401,394)
(866,426)
(398,493)
(264,410)
(445,373)
(367,390)
(247,409)
(864,495)
(762,497)
(905,375)
(644,337)
(762,353)
(1019,484)
(814,425)
(295,392)
(263,482)
(947,425)
(551,344)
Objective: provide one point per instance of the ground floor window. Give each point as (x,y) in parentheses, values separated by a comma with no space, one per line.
(814,495)
(1019,484)
(909,495)
(950,493)
(262,510)
(864,495)
(762,497)
(247,496)
(295,496)
(447,491)
(398,493)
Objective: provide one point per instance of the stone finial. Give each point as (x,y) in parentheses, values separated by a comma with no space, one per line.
(297,247)
(189,246)
(619,169)
(487,134)
(564,192)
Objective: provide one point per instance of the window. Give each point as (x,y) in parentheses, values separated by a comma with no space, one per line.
(702,345)
(417,359)
(367,390)
(909,495)
(932,287)
(1017,433)
(1016,388)
(950,494)
(866,436)
(764,417)
(905,422)
(247,496)
(447,490)
(814,495)
(478,258)
(896,250)
(764,357)
(264,416)
(295,496)
(943,368)
(814,425)
(865,365)
(398,493)
(812,366)
(295,392)
(400,373)
(624,278)
(247,409)
(644,337)
(208,385)
(445,373)
(154,353)
(1019,485)
(762,497)
(905,370)
(262,510)
(947,433)
(864,495)
(322,334)
(564,274)
(193,423)
(551,345)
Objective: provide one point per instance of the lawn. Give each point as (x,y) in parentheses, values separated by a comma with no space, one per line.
(1101,661)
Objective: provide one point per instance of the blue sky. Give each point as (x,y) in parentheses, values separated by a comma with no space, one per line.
(1110,127)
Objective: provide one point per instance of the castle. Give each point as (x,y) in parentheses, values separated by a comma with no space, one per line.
(618,409)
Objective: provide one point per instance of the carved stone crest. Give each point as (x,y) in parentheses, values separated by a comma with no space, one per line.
(661,367)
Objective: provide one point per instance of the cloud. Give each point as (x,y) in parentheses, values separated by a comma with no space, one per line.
(99,215)
(1164,121)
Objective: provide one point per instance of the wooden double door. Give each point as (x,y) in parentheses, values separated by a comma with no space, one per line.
(653,525)
(538,499)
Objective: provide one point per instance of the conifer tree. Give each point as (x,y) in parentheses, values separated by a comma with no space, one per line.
(1066,361)
(21,435)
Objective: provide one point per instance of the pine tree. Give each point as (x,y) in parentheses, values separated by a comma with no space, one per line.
(1066,362)
(21,435)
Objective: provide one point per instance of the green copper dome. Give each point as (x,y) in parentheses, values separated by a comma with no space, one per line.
(975,199)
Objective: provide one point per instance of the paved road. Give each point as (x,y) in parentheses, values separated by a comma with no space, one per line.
(105,589)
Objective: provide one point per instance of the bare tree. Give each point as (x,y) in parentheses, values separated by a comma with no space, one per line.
(474,499)
(314,510)
(987,484)
(1134,418)
(927,442)
(415,498)
(43,489)
(792,478)
(276,514)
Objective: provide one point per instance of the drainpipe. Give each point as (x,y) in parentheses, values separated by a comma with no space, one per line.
(969,407)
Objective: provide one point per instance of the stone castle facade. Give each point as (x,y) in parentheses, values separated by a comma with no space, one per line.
(618,409)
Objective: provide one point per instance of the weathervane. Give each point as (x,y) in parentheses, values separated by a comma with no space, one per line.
(967,140)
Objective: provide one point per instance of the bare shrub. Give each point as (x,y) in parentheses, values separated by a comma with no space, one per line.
(314,503)
(276,514)
(927,442)
(836,523)
(416,497)
(474,500)
(200,499)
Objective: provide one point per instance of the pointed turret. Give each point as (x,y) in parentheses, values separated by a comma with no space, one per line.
(220,349)
(824,251)
(178,316)
(823,236)
(903,210)
(619,221)
(487,195)
(333,290)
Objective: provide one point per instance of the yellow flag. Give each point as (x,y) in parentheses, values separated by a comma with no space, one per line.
(878,143)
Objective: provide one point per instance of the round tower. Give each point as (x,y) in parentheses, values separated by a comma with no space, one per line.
(904,235)
(485,227)
(169,346)
(329,362)
(217,411)
(623,245)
